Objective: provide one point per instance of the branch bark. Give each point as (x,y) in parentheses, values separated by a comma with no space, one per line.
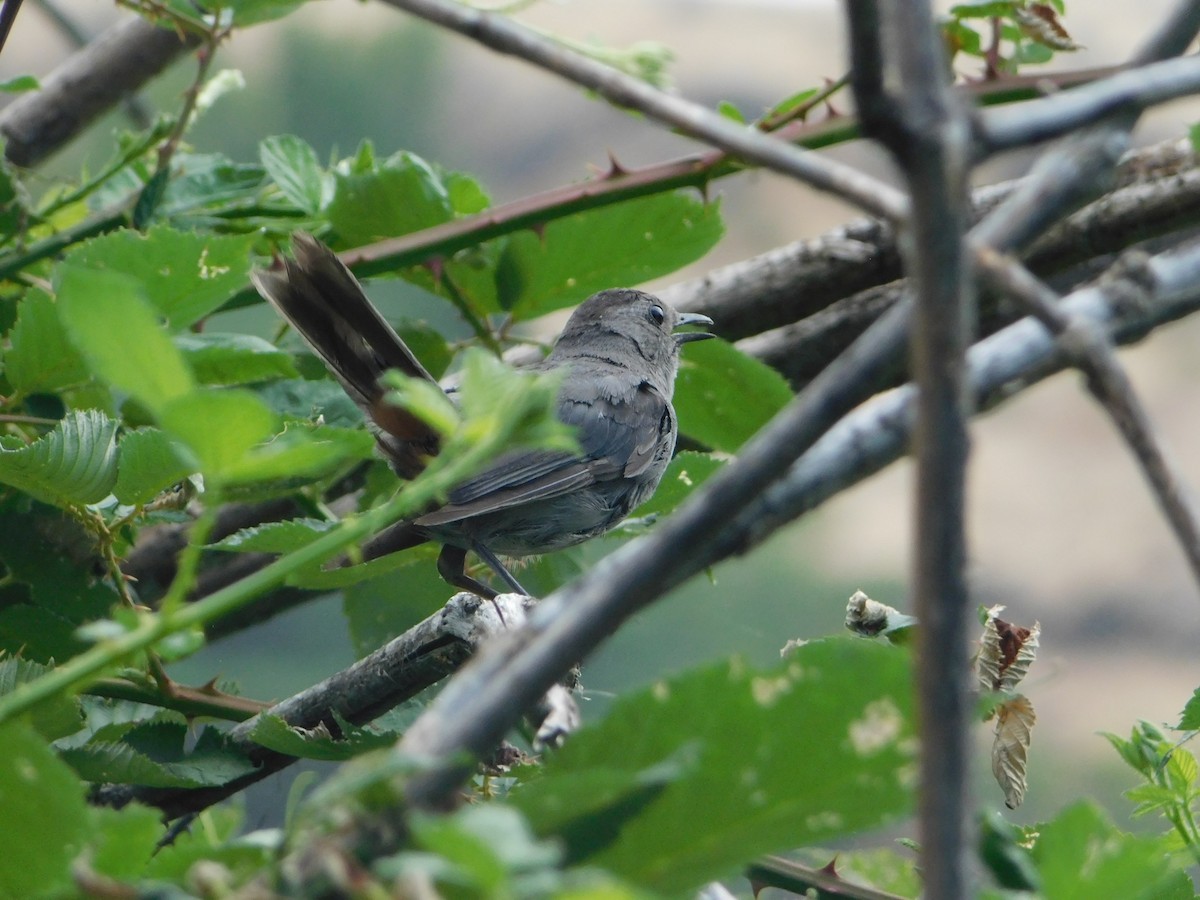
(87,85)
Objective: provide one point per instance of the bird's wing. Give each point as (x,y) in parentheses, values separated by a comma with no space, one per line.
(618,437)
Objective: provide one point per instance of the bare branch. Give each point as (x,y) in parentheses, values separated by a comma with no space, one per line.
(1000,366)
(1133,90)
(398,671)
(117,62)
(1090,351)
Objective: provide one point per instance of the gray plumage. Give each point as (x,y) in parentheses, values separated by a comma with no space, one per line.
(621,353)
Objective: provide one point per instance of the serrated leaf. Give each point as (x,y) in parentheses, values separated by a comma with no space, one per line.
(324,399)
(122,842)
(275,734)
(275,537)
(1082,854)
(50,586)
(232,359)
(219,427)
(115,329)
(837,707)
(723,396)
(1189,719)
(299,455)
(400,195)
(185,275)
(54,718)
(200,180)
(150,462)
(154,755)
(43,804)
(292,164)
(41,357)
(624,244)
(76,463)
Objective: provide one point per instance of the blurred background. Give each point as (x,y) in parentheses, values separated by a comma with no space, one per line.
(1062,529)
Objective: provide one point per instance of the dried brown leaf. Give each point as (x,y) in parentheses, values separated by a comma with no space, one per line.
(1040,22)
(1006,652)
(1010,749)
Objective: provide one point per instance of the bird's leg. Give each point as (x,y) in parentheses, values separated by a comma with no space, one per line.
(451,566)
(498,567)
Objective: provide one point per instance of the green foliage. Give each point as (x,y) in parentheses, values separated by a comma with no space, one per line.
(706,777)
(131,403)
(573,257)
(42,802)
(1169,787)
(723,396)
(76,463)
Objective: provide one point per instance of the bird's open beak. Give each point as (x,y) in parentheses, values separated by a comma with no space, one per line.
(685,337)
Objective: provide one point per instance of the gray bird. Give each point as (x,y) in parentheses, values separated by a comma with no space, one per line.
(621,353)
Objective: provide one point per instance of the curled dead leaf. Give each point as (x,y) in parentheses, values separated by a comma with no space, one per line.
(1010,749)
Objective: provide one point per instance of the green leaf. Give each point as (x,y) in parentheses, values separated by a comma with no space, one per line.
(624,244)
(729,110)
(185,275)
(786,106)
(46,815)
(1189,719)
(228,359)
(122,842)
(51,588)
(117,332)
(154,754)
(219,426)
(20,84)
(41,357)
(55,718)
(76,463)
(726,763)
(275,734)
(398,196)
(723,396)
(275,537)
(490,848)
(292,164)
(986,10)
(686,472)
(300,455)
(203,180)
(1081,854)
(380,608)
(298,398)
(150,462)
(255,12)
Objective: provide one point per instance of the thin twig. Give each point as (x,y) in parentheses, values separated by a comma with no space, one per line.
(1004,128)
(747,143)
(1000,367)
(8,15)
(1091,352)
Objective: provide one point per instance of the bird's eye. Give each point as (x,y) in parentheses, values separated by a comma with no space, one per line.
(656,315)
